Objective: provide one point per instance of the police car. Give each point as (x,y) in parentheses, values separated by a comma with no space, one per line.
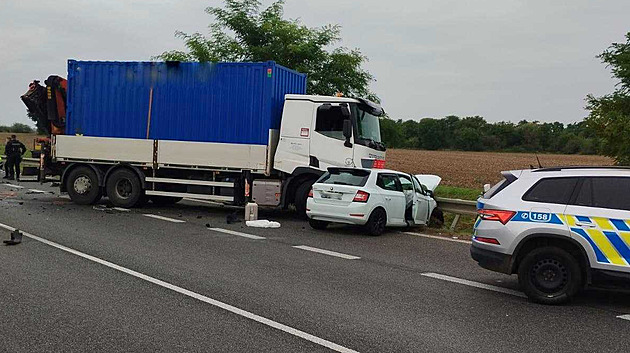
(375,198)
(559,229)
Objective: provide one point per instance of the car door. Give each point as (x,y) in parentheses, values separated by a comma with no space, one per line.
(393,196)
(599,218)
(422,205)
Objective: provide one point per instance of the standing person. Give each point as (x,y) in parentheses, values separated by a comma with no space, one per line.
(7,173)
(14,151)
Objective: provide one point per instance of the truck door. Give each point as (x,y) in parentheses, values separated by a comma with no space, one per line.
(599,218)
(327,145)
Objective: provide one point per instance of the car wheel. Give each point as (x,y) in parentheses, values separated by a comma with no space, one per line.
(549,275)
(82,186)
(376,223)
(437,218)
(124,189)
(319,225)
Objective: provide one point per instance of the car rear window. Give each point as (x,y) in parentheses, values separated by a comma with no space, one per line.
(508,178)
(353,177)
(551,190)
(604,192)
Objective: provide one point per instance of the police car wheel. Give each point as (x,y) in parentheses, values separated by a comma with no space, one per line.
(549,275)
(82,186)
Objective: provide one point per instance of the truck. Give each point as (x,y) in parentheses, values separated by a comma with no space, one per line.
(230,133)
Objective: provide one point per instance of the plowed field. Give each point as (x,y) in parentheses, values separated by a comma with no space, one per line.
(473,169)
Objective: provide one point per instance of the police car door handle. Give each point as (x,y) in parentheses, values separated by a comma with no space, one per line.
(585,225)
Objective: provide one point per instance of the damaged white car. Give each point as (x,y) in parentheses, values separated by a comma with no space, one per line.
(374,198)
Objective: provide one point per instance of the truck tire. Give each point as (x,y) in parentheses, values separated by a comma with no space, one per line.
(124,188)
(82,186)
(549,275)
(375,225)
(165,200)
(301,196)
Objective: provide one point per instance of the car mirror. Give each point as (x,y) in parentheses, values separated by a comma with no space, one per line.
(486,188)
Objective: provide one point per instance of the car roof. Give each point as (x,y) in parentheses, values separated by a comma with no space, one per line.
(373,170)
(573,171)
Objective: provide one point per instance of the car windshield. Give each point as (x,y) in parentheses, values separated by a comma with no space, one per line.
(353,177)
(368,124)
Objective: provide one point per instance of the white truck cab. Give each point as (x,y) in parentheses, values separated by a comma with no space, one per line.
(312,133)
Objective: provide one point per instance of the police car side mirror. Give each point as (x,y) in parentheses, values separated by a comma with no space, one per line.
(486,188)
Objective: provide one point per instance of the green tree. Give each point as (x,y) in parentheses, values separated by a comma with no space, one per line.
(20,128)
(242,31)
(610,114)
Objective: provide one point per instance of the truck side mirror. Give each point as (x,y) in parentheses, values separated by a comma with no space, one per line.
(345,111)
(347,132)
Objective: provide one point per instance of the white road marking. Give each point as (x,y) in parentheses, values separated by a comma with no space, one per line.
(244,235)
(121,209)
(327,252)
(624,317)
(14,186)
(475,284)
(165,218)
(263,320)
(439,238)
(37,191)
(64,197)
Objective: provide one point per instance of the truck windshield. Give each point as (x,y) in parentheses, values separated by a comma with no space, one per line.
(368,125)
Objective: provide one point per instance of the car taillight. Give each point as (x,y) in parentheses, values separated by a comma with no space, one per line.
(310,193)
(378,164)
(487,240)
(496,215)
(361,196)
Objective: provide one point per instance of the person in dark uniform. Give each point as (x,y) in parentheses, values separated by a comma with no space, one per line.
(7,174)
(14,151)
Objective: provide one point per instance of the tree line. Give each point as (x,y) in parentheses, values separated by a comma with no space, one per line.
(17,128)
(476,134)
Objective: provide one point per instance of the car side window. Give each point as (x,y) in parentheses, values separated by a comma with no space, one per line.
(419,187)
(605,192)
(388,182)
(329,121)
(551,190)
(405,183)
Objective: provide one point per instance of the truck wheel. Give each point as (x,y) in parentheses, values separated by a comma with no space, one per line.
(319,225)
(165,200)
(82,186)
(376,223)
(301,195)
(123,188)
(549,275)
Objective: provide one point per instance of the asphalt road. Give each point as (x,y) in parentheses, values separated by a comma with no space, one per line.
(97,279)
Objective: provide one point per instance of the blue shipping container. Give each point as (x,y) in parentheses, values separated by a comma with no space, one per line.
(207,102)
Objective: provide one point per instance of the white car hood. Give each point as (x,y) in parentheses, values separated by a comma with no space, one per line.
(429,180)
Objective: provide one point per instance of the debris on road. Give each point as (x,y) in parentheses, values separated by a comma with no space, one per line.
(16,238)
(262,223)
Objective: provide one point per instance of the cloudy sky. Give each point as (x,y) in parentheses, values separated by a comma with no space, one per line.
(501,59)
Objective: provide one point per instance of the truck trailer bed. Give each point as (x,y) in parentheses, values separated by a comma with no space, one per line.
(164,153)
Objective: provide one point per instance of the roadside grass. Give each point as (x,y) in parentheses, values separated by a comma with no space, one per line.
(454,192)
(463,229)
(26,155)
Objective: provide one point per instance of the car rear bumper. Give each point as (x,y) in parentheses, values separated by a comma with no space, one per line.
(491,260)
(355,213)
